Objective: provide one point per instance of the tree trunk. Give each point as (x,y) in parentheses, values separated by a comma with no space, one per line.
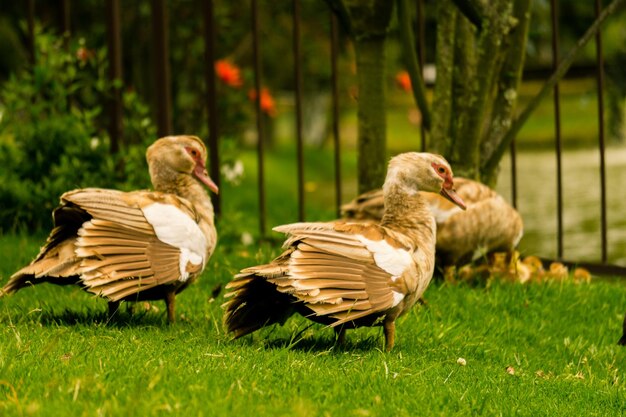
(489,52)
(440,141)
(369,22)
(372,120)
(507,86)
(463,90)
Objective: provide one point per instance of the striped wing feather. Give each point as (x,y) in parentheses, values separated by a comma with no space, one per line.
(120,252)
(335,275)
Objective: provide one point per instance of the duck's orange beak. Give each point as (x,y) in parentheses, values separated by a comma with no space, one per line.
(201,173)
(449,193)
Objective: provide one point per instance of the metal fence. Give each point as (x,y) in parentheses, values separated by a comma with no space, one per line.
(160,20)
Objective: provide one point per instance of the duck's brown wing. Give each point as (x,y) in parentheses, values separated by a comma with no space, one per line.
(133,242)
(57,261)
(118,244)
(344,271)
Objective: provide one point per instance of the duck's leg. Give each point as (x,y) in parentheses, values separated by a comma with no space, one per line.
(389,328)
(622,341)
(170,298)
(341,336)
(114,307)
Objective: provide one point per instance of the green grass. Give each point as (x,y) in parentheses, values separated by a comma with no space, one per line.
(59,356)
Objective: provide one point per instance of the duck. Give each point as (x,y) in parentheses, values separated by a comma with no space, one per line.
(133,246)
(347,274)
(622,340)
(490,224)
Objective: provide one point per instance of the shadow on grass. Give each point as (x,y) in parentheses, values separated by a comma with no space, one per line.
(88,317)
(325,344)
(119,319)
(312,339)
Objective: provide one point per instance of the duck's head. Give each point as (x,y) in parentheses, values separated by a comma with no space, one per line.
(171,156)
(422,171)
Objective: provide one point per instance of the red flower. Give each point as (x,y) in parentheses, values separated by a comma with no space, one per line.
(403,80)
(268,106)
(83,54)
(228,73)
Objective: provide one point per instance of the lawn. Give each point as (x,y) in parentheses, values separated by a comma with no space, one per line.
(60,356)
(539,349)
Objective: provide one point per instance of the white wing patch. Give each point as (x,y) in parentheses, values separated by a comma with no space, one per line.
(174,227)
(391,260)
(397,297)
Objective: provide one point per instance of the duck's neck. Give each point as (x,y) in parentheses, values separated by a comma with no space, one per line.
(191,190)
(407,212)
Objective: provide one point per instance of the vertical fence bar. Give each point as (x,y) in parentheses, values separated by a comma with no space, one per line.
(420,35)
(557,130)
(65,20)
(513,153)
(114,46)
(298,81)
(600,82)
(162,69)
(31,30)
(259,115)
(334,52)
(211,97)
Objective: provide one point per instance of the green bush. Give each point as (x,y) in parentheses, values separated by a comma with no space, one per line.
(52,135)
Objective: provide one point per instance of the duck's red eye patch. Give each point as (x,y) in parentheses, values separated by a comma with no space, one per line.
(192,151)
(440,169)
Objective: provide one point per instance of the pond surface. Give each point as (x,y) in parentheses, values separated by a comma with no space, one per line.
(537,202)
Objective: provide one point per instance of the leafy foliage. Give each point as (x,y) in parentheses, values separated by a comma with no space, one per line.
(52,137)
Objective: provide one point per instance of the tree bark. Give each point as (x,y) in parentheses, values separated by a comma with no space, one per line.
(489,51)
(440,140)
(507,86)
(372,120)
(413,68)
(463,86)
(370,22)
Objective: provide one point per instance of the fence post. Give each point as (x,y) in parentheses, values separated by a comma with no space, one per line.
(211,96)
(334,46)
(600,83)
(259,115)
(31,30)
(298,79)
(557,131)
(114,46)
(161,56)
(65,20)
(420,35)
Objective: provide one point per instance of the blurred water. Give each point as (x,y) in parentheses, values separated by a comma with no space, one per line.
(581,203)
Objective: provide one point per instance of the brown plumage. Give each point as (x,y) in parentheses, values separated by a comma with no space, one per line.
(489,224)
(131,246)
(346,274)
(622,340)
